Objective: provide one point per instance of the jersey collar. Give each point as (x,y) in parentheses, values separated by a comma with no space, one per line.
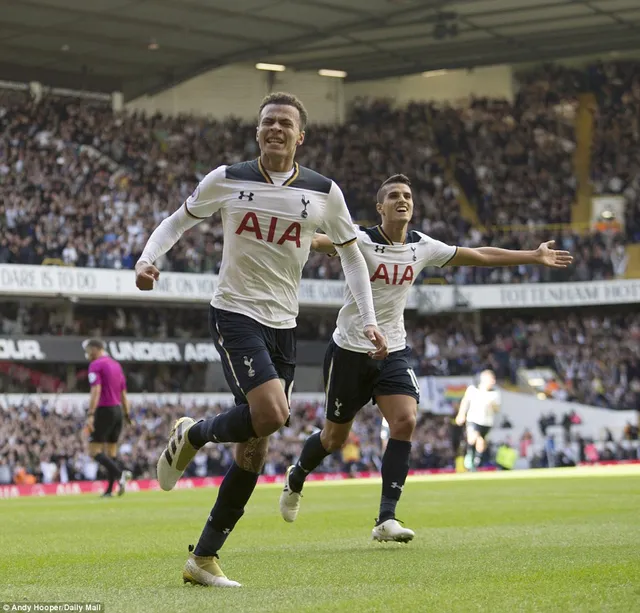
(268,179)
(384,235)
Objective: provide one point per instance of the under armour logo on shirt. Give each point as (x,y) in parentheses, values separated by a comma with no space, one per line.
(379,248)
(338,404)
(305,204)
(249,364)
(414,253)
(243,195)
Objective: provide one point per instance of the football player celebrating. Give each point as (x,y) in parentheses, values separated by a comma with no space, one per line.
(270,210)
(395,256)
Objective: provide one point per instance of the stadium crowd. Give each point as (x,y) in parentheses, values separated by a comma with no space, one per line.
(45,443)
(595,352)
(84,186)
(616,151)
(184,322)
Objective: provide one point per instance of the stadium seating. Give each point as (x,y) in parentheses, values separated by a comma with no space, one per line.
(84,186)
(50,430)
(596,352)
(46,442)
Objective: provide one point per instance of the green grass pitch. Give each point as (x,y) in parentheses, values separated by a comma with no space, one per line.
(482,544)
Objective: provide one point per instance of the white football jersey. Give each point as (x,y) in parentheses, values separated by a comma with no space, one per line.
(483,405)
(392,270)
(268,230)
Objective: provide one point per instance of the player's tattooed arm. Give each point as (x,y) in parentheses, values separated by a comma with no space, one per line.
(321,243)
(251,456)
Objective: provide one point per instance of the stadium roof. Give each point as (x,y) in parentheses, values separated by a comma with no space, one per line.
(108,44)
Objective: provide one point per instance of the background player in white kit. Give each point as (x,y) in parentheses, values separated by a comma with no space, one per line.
(395,256)
(270,209)
(478,408)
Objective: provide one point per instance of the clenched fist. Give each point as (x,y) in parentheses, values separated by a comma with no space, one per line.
(146,276)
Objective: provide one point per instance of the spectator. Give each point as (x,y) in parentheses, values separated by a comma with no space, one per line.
(45,443)
(83,186)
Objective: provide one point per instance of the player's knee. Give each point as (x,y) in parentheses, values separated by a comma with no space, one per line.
(402,427)
(270,418)
(333,439)
(481,444)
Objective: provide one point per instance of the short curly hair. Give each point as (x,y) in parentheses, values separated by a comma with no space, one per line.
(287,100)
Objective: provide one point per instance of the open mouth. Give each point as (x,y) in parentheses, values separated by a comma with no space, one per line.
(402,209)
(275,141)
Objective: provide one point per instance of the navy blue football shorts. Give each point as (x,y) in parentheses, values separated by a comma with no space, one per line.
(252,353)
(352,379)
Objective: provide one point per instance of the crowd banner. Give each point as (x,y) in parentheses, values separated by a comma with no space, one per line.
(442,395)
(108,285)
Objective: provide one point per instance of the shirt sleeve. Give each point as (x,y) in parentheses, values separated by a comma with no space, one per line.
(94,375)
(357,277)
(207,197)
(435,253)
(204,202)
(337,221)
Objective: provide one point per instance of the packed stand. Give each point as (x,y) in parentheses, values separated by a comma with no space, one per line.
(48,442)
(514,160)
(616,150)
(84,187)
(598,256)
(43,442)
(19,318)
(66,319)
(595,352)
(615,157)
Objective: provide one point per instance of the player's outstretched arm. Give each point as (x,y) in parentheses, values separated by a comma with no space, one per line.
(321,243)
(544,255)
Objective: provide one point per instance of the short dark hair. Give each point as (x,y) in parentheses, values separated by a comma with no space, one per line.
(382,192)
(96,343)
(288,100)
